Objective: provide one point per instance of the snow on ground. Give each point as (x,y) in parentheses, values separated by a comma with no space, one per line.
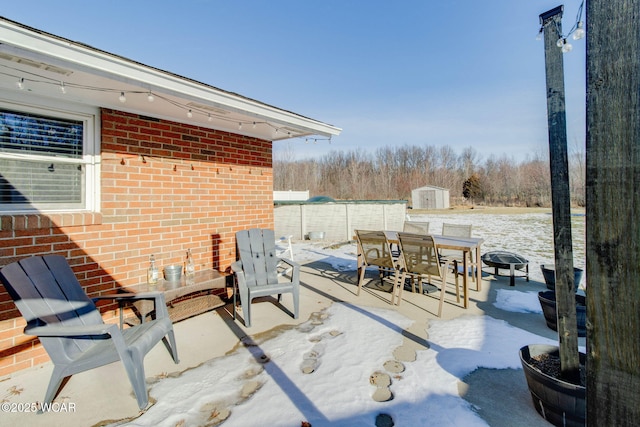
(262,383)
(350,345)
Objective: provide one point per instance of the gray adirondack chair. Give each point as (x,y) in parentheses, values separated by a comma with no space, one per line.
(257,271)
(71,329)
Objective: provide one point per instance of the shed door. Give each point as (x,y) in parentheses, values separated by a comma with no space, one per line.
(428,199)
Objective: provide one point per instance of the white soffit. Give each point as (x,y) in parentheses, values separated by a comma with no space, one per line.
(46,62)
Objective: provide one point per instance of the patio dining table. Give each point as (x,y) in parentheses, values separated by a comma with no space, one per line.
(467,245)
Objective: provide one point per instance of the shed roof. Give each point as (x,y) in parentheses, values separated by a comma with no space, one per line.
(431,187)
(46,62)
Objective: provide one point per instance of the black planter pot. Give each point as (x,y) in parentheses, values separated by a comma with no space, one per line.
(559,402)
(549,274)
(548,303)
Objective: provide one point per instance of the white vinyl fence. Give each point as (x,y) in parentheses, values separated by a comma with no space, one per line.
(337,220)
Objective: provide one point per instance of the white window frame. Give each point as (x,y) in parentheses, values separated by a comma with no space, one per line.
(90,117)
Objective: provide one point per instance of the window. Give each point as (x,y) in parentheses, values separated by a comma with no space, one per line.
(46,159)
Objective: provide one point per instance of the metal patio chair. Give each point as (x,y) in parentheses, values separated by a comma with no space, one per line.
(375,251)
(456,257)
(418,227)
(420,260)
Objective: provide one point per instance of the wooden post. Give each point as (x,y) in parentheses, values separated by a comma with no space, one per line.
(613,212)
(560,197)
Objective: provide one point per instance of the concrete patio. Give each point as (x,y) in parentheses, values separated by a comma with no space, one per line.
(104,395)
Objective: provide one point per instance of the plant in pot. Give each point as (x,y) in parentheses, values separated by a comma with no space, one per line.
(553,373)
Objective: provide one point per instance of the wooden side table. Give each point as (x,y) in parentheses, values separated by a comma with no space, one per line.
(180,308)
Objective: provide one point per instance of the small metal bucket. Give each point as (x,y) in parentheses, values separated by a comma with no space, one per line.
(173,273)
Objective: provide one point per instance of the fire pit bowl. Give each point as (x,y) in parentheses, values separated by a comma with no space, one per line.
(507,261)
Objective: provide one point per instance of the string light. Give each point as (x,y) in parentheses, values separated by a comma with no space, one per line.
(315,140)
(577,30)
(579,33)
(151,97)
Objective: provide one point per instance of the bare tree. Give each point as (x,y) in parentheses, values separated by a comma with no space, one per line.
(392,172)
(577,173)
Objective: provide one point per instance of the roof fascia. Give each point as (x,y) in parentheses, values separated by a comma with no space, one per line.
(95,61)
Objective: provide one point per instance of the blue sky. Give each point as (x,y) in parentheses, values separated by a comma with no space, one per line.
(458,73)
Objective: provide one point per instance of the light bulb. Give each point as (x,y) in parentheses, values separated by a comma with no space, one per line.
(20,84)
(254,125)
(539,36)
(561,41)
(210,118)
(150,97)
(240,126)
(122,98)
(579,32)
(566,48)
(62,88)
(189,114)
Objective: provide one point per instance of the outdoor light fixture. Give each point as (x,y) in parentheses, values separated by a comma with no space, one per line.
(20,84)
(62,88)
(122,98)
(189,114)
(150,97)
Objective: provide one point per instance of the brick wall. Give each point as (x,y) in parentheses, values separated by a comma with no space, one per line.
(165,187)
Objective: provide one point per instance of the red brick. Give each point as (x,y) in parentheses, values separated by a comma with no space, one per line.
(185,189)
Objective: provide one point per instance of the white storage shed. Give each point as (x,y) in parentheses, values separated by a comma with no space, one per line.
(430,197)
